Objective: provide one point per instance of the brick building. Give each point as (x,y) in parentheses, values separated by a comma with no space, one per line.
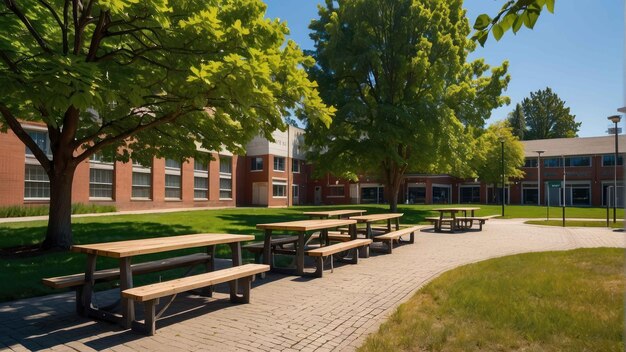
(277,174)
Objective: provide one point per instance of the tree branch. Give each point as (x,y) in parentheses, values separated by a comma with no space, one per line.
(128,133)
(12,65)
(42,43)
(16,127)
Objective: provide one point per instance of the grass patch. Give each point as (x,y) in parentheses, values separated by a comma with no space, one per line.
(39,210)
(551,301)
(577,223)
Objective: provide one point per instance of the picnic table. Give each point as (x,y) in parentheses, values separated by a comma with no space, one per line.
(456,223)
(372,218)
(125,251)
(332,213)
(304,229)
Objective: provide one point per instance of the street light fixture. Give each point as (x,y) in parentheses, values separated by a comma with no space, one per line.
(539,152)
(502,154)
(615,119)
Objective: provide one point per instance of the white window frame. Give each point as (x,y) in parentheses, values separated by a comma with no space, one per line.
(138,168)
(276,159)
(97,164)
(173,171)
(226,175)
(295,191)
(254,162)
(200,173)
(295,162)
(279,183)
(35,181)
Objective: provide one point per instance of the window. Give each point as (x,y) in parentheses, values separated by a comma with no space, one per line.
(552,162)
(226,178)
(470,194)
(257,164)
(295,166)
(200,180)
(279,188)
(609,160)
(172,179)
(578,161)
(225,164)
(530,162)
(295,191)
(41,139)
(226,190)
(279,163)
(142,182)
(36,183)
(100,178)
(336,191)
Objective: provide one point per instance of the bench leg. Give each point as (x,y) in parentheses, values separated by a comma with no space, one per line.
(148,327)
(364,252)
(319,266)
(209,267)
(245,283)
(389,246)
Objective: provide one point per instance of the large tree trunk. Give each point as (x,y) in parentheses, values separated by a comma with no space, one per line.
(393,186)
(59,232)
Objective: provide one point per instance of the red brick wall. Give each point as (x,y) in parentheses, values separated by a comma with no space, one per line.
(11,169)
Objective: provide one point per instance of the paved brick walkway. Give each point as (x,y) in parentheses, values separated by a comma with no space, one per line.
(289,313)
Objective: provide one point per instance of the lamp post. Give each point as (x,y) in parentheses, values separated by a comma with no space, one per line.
(615,119)
(502,154)
(539,152)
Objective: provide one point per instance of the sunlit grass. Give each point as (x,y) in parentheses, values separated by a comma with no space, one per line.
(551,301)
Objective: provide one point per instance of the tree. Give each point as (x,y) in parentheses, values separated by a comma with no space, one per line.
(405,96)
(512,15)
(489,156)
(547,117)
(137,79)
(517,121)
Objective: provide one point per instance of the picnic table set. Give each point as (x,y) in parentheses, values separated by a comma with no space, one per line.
(325,237)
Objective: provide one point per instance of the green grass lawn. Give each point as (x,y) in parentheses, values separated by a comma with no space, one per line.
(578,223)
(21,277)
(551,301)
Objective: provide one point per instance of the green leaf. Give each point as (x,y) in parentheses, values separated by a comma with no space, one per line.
(497,31)
(550,5)
(517,23)
(530,18)
(482,22)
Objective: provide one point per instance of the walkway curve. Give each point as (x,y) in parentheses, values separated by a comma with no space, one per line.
(336,312)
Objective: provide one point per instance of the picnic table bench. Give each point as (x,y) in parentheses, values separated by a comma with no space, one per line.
(124,251)
(396,236)
(327,251)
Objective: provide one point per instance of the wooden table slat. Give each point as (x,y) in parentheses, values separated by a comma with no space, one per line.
(130,248)
(306,225)
(330,213)
(376,217)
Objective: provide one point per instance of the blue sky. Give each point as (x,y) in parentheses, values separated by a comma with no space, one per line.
(578,51)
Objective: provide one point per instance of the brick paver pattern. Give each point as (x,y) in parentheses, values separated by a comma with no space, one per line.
(289,313)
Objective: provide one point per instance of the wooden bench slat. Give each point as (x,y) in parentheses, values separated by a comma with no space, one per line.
(276,241)
(394,235)
(338,247)
(138,269)
(167,288)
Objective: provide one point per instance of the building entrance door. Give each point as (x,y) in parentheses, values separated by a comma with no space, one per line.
(318,195)
(259,193)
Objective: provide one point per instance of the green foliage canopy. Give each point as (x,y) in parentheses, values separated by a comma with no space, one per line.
(405,94)
(546,116)
(217,68)
(488,157)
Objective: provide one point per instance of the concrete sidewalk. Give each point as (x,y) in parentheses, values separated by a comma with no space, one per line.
(291,313)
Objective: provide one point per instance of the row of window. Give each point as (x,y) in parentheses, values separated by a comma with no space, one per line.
(101,180)
(256,164)
(574,161)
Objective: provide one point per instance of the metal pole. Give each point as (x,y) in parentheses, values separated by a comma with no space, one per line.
(502,144)
(615,178)
(608,204)
(563,160)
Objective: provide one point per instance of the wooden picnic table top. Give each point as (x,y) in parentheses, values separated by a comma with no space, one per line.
(456,209)
(376,217)
(121,249)
(329,213)
(306,225)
